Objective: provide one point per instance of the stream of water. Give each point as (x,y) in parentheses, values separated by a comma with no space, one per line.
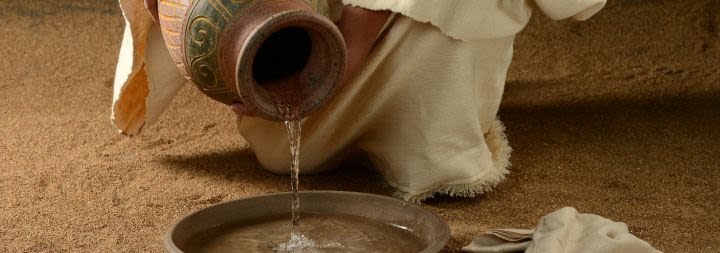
(288,100)
(316,233)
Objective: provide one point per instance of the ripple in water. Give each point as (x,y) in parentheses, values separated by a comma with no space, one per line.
(320,233)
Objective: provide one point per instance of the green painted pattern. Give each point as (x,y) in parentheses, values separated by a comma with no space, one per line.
(206,22)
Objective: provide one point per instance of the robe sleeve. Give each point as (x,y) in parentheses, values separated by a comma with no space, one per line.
(471,20)
(146,78)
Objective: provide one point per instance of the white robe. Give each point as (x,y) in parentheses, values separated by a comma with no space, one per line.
(423,107)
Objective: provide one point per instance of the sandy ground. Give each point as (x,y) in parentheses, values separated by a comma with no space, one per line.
(617,116)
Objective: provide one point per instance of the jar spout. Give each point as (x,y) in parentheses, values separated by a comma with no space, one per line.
(282,47)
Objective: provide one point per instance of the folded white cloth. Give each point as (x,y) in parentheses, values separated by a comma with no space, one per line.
(563,231)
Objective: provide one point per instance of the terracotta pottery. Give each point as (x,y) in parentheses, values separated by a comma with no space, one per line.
(233,49)
(432,230)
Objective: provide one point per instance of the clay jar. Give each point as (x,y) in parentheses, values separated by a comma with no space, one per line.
(233,49)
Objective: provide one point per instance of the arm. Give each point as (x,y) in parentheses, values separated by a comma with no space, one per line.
(360,27)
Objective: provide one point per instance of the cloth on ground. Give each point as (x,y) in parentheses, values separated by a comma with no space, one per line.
(563,231)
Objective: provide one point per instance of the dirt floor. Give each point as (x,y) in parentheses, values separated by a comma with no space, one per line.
(618,116)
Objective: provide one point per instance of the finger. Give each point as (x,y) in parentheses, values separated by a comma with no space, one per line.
(241,110)
(151,6)
(238,109)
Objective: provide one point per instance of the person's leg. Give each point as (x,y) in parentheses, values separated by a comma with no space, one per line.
(435,130)
(422,109)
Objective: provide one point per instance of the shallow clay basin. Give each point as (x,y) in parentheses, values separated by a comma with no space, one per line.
(432,231)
